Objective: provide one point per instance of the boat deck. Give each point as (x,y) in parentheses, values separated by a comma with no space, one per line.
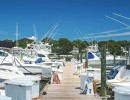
(68,89)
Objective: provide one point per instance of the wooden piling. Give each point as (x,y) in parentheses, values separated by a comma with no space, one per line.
(81,57)
(86,55)
(103,71)
(78,56)
(129,56)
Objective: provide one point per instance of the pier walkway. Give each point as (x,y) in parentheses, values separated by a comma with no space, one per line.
(68,89)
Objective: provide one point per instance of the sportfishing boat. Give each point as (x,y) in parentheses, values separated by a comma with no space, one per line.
(122,78)
(40,56)
(27,68)
(121,84)
(94,56)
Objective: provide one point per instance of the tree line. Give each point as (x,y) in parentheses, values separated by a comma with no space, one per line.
(64,46)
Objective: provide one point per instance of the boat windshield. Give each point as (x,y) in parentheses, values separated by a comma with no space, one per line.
(3,53)
(98,54)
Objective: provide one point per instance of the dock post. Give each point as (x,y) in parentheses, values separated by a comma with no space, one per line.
(86,55)
(103,72)
(81,57)
(129,56)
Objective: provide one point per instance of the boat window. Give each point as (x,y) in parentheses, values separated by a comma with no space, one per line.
(90,55)
(40,55)
(3,54)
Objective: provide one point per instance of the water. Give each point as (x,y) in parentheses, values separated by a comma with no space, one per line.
(43,84)
(109,92)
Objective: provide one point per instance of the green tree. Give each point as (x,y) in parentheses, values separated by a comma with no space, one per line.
(55,45)
(46,40)
(123,43)
(23,42)
(79,44)
(7,40)
(112,46)
(64,46)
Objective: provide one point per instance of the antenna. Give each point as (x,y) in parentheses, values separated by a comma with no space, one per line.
(50,32)
(54,34)
(81,35)
(53,31)
(34,29)
(84,36)
(109,31)
(17,35)
(107,45)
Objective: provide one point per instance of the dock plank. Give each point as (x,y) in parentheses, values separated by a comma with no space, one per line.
(68,89)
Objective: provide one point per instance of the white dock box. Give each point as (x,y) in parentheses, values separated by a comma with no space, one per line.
(35,86)
(35,89)
(4,98)
(83,77)
(121,93)
(18,89)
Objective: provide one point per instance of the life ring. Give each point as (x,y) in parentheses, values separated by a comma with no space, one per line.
(56,78)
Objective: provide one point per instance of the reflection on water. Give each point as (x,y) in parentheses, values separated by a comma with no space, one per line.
(43,84)
(109,92)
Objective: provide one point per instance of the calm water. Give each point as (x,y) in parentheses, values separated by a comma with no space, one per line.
(109,92)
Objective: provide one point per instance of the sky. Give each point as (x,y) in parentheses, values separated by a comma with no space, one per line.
(73,19)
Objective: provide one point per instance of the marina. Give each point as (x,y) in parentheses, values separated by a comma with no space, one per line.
(61,79)
(77,78)
(64,50)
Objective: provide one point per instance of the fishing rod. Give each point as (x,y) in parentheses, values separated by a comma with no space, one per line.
(118,21)
(121,16)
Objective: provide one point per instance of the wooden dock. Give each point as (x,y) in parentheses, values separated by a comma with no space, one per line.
(69,89)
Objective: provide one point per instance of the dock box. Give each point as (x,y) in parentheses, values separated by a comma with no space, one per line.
(35,86)
(18,89)
(83,77)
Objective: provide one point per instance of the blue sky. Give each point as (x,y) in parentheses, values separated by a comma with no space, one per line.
(74,18)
